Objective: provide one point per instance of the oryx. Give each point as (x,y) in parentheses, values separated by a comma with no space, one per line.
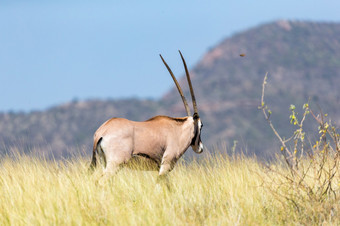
(161,140)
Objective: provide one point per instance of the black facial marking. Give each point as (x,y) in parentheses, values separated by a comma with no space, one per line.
(194,138)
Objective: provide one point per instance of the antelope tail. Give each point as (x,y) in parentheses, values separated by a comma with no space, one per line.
(97,150)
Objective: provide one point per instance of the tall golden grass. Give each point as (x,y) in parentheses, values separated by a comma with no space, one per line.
(216,191)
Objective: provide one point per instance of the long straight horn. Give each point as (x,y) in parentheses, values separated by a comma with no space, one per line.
(190,85)
(178,87)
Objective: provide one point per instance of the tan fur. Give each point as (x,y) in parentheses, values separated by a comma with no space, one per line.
(161,139)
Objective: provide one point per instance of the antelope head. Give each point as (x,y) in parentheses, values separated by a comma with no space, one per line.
(196,142)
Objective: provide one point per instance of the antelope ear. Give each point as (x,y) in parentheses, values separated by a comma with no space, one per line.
(196,116)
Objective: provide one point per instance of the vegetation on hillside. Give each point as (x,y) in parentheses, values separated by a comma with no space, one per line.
(63,131)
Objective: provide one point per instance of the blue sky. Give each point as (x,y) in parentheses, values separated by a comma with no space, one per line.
(52,52)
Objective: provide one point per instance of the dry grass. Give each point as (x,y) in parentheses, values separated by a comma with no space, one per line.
(216,191)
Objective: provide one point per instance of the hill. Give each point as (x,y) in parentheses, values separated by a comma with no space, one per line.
(303,62)
(67,130)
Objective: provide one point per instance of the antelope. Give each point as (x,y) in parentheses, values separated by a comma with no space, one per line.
(159,141)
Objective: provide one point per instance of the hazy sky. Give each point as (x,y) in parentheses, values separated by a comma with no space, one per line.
(54,51)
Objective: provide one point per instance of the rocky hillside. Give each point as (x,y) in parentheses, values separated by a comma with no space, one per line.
(303,62)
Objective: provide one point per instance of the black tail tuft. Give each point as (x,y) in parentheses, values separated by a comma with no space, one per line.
(93,164)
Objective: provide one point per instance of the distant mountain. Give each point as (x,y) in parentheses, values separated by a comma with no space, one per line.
(68,129)
(303,62)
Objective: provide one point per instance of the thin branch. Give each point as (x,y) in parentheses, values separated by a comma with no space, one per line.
(263,107)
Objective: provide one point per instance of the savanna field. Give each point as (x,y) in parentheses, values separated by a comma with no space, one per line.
(218,190)
(300,187)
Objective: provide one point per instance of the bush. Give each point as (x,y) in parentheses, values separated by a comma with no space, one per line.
(308,180)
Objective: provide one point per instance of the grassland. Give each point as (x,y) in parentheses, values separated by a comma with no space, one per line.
(216,191)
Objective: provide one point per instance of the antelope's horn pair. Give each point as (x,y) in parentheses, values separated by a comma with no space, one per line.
(179,87)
